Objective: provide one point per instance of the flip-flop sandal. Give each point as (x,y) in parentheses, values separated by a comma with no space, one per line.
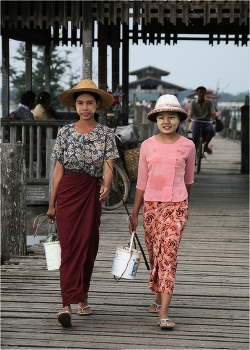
(64,318)
(165,326)
(156,310)
(84,313)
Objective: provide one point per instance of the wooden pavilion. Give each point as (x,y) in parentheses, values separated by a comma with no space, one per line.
(149,81)
(52,22)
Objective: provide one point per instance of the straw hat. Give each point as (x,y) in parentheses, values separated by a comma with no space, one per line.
(167,103)
(66,97)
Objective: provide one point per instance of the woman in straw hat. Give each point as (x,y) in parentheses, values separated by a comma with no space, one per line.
(81,149)
(165,175)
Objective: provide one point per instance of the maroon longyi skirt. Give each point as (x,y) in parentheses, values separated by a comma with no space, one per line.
(78,219)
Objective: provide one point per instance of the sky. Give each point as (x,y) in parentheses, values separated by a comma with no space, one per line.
(222,67)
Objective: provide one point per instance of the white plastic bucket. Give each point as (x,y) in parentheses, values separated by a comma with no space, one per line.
(53,255)
(126,261)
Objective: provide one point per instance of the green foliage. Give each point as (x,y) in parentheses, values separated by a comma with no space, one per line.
(59,67)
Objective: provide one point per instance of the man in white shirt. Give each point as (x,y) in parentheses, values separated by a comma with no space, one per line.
(202,109)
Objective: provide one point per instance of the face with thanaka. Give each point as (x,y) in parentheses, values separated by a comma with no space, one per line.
(86,106)
(167,122)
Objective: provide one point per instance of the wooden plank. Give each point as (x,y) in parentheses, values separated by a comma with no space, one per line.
(209,305)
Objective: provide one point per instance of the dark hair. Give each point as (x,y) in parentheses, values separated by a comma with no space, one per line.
(201,88)
(96,96)
(42,97)
(28,97)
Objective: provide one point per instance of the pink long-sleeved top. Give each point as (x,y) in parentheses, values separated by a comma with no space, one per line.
(165,169)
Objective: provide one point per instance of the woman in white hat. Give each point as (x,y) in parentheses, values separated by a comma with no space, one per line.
(81,149)
(165,175)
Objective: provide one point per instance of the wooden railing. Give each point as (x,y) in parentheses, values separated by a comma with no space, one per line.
(37,136)
(231,118)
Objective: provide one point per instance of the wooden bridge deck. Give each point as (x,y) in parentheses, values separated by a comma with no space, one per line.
(210,301)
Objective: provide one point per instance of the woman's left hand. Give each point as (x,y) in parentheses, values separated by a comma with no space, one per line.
(104,196)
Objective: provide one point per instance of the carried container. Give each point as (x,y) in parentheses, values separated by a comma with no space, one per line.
(126,261)
(53,255)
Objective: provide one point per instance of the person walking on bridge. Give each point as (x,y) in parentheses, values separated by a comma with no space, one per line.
(81,150)
(165,176)
(202,109)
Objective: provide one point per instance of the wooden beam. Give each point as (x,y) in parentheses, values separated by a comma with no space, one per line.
(115,58)
(86,53)
(102,66)
(47,67)
(5,76)
(185,13)
(125,72)
(28,65)
(136,12)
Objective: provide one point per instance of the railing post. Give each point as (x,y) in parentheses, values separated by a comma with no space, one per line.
(13,134)
(245,137)
(31,155)
(2,134)
(38,152)
(234,128)
(24,135)
(13,200)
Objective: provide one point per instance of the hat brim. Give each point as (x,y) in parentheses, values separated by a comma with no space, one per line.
(152,114)
(66,98)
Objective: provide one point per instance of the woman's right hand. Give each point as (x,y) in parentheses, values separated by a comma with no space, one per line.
(51,215)
(133,225)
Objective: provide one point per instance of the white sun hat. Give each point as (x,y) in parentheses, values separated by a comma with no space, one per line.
(167,103)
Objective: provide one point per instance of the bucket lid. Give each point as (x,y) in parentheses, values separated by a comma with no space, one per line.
(126,249)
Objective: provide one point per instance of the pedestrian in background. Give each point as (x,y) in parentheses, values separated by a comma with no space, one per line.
(23,110)
(43,110)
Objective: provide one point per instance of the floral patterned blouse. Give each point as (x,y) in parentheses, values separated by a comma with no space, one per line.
(85,153)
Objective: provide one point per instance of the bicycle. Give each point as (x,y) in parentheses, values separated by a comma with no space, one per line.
(123,183)
(120,178)
(200,150)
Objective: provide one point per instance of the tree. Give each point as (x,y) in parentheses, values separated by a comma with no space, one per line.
(59,67)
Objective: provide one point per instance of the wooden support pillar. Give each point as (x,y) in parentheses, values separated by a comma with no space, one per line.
(245,137)
(125,72)
(5,76)
(13,200)
(87,36)
(115,58)
(28,65)
(102,67)
(47,68)
(87,53)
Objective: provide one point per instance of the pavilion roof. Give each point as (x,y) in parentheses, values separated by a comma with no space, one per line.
(149,81)
(149,70)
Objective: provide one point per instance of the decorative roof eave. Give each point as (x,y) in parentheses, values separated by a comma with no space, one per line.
(153,21)
(165,84)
